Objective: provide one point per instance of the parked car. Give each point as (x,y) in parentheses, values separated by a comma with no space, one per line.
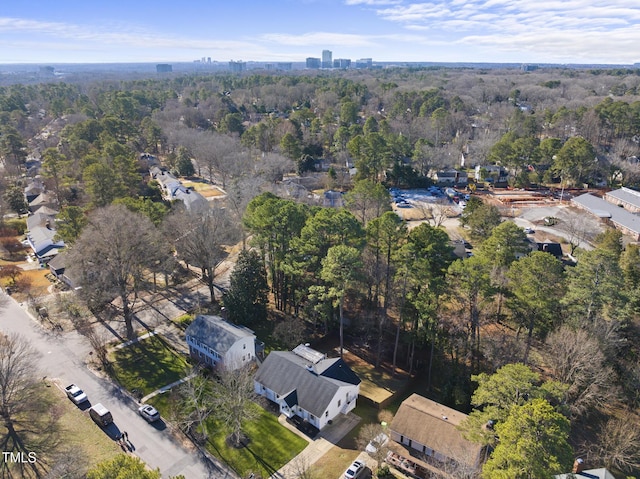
(529,231)
(100,415)
(355,470)
(76,394)
(376,443)
(149,413)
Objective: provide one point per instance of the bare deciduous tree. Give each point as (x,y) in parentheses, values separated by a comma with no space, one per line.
(436,213)
(290,332)
(199,239)
(576,231)
(192,404)
(111,257)
(28,424)
(372,433)
(235,400)
(618,445)
(575,358)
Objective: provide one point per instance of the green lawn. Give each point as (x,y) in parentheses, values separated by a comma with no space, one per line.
(270,446)
(147,365)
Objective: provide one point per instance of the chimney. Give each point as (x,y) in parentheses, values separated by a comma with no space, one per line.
(578,466)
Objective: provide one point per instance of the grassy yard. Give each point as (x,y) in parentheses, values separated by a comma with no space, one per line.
(270,445)
(205,189)
(82,435)
(147,365)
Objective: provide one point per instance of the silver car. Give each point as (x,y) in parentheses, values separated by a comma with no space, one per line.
(148,412)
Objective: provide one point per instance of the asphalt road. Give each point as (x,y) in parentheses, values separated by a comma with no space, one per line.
(62,358)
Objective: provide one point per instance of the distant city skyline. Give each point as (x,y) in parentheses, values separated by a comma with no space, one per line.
(509,31)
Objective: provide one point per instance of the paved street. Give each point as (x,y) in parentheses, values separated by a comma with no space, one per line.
(62,359)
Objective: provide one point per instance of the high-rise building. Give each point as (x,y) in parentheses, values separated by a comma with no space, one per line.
(364,63)
(313,63)
(237,67)
(342,63)
(327,61)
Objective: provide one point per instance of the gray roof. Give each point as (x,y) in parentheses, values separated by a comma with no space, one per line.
(599,207)
(626,195)
(193,201)
(217,333)
(601,473)
(314,384)
(41,234)
(175,190)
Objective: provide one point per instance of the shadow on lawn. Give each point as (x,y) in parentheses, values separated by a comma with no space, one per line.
(268,468)
(153,363)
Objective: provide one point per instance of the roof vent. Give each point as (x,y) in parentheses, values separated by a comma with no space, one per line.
(309,367)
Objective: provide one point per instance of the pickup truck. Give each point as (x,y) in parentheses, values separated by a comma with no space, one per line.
(76,394)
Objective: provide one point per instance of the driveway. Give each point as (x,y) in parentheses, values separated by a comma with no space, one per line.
(63,360)
(318,447)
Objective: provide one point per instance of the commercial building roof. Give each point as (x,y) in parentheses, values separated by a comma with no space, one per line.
(617,215)
(626,195)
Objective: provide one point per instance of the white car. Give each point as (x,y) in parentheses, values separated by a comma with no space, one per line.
(376,443)
(529,231)
(355,470)
(76,394)
(148,412)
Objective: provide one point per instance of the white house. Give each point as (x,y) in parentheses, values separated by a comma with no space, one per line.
(305,383)
(41,234)
(216,342)
(173,189)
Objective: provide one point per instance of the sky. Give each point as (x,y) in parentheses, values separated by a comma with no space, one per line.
(501,31)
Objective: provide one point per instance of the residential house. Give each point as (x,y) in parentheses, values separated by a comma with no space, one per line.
(446,177)
(305,384)
(492,174)
(552,248)
(579,472)
(425,440)
(33,189)
(44,199)
(41,235)
(215,342)
(333,199)
(58,267)
(173,189)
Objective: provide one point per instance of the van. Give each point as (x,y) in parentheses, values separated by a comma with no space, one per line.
(101,415)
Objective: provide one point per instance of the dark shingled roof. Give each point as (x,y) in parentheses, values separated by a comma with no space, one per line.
(315,384)
(216,333)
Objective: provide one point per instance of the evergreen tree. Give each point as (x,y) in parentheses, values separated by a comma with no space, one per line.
(246,299)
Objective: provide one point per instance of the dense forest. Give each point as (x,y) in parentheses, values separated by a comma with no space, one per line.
(494,335)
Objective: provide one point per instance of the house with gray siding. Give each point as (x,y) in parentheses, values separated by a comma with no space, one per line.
(215,342)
